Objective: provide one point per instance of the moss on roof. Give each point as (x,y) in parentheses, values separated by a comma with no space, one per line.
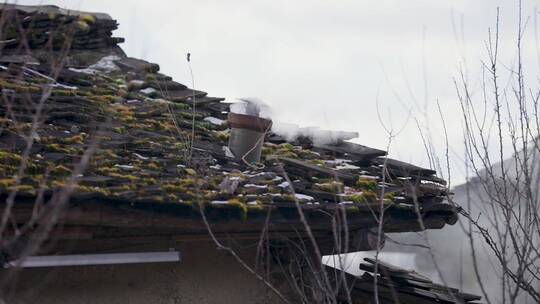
(141,120)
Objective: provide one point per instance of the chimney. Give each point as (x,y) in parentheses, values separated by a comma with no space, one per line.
(247,136)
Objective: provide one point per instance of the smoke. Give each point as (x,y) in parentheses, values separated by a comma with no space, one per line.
(290,132)
(251,106)
(451,246)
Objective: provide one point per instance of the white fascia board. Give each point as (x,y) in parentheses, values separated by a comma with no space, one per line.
(95,259)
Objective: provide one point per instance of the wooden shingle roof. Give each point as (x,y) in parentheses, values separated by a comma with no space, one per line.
(135,124)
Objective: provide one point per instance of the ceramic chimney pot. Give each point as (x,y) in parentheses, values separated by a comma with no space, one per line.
(247,136)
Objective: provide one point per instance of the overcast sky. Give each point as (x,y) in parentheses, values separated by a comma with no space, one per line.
(328,63)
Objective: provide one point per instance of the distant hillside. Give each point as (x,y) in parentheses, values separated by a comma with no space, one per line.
(451,246)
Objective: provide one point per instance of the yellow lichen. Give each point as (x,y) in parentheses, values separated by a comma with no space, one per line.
(6,183)
(119,130)
(172,188)
(54,148)
(87,18)
(83,26)
(364,197)
(153,166)
(107,170)
(389,196)
(60,170)
(367,184)
(190,171)
(128,177)
(148,181)
(222,136)
(77,139)
(317,162)
(9,158)
(26,189)
(333,187)
(235,202)
(58,184)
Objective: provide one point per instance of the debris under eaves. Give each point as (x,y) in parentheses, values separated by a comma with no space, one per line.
(398,285)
